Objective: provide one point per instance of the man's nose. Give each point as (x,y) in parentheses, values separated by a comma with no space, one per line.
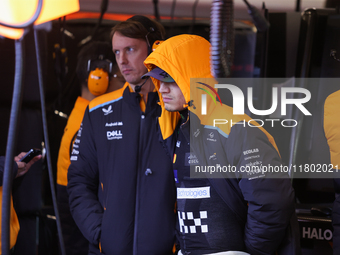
(163,88)
(122,58)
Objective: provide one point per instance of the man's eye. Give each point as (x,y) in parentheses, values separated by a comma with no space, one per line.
(116,52)
(130,49)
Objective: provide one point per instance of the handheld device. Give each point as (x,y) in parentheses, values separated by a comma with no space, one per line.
(30,155)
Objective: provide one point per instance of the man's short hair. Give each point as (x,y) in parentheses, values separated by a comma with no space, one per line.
(140,27)
(92,51)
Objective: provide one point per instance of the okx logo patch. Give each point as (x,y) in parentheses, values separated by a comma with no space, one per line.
(207,89)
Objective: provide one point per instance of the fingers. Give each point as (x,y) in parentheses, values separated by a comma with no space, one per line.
(22,170)
(22,166)
(20,156)
(32,161)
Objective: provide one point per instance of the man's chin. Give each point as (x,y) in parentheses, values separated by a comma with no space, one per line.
(171,109)
(132,80)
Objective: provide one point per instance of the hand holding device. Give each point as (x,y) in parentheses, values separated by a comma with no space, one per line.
(30,155)
(26,160)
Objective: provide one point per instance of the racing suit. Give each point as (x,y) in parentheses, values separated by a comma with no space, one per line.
(120,181)
(260,207)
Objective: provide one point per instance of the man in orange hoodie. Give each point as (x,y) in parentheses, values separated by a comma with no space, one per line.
(231,212)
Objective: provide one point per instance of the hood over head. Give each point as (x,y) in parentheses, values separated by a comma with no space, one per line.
(187,57)
(181,57)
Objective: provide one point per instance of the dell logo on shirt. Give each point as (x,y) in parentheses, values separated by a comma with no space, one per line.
(115,134)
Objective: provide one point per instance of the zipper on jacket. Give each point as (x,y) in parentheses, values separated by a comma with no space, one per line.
(139,160)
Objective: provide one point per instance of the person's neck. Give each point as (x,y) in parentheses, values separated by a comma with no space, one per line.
(85,93)
(145,89)
(184,114)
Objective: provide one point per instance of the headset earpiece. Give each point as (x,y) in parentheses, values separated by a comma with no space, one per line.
(98,81)
(99,71)
(149,26)
(150,47)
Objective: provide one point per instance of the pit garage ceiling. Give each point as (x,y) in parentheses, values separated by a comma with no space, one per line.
(184,8)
